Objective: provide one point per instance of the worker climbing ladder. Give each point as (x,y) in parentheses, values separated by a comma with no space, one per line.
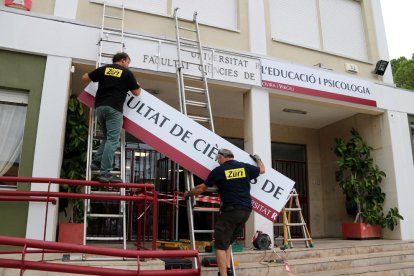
(111,41)
(287,222)
(194,99)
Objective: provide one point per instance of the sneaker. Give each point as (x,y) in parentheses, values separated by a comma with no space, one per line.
(95,166)
(110,178)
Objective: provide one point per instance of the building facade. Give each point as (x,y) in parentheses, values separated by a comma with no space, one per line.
(285,79)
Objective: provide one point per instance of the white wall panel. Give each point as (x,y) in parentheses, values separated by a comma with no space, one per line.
(150,6)
(219,13)
(295,22)
(343,28)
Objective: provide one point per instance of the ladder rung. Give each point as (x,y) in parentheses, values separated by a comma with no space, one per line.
(295,224)
(293,209)
(113,17)
(195,103)
(187,29)
(190,51)
(189,40)
(108,55)
(112,29)
(185,20)
(198,118)
(206,209)
(206,253)
(192,77)
(88,238)
(300,239)
(113,5)
(203,231)
(105,215)
(111,41)
(117,152)
(194,89)
(193,63)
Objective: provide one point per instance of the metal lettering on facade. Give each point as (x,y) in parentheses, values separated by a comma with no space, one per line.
(161,56)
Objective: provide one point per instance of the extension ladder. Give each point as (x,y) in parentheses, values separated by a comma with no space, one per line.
(287,213)
(111,41)
(194,100)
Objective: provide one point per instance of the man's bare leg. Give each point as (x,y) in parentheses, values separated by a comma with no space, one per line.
(228,256)
(221,256)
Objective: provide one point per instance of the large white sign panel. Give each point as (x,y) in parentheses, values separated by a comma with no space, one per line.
(193,146)
(320,83)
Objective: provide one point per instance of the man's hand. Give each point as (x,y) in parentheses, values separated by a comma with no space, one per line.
(255,157)
(186,195)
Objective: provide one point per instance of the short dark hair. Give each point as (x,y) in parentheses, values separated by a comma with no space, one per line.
(120,56)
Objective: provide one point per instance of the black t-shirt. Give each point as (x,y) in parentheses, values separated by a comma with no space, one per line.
(114,83)
(233,181)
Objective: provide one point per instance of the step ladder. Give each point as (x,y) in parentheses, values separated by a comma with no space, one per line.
(194,101)
(111,41)
(287,223)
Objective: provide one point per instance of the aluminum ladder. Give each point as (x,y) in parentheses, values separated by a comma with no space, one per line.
(111,41)
(287,213)
(194,101)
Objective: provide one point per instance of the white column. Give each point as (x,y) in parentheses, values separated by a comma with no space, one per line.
(66,8)
(381,41)
(257,141)
(396,159)
(257,138)
(49,143)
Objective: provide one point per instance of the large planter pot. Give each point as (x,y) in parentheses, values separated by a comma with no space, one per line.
(71,233)
(360,230)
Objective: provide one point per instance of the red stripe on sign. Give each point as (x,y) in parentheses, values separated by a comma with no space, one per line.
(87,99)
(265,210)
(317,93)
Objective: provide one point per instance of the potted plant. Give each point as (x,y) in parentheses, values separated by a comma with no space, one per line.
(360,181)
(73,167)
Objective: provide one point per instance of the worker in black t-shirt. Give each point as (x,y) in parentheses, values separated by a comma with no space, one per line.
(232,179)
(115,80)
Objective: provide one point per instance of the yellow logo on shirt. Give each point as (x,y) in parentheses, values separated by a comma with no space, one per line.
(235,173)
(113,72)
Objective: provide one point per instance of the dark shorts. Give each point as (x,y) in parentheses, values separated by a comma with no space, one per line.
(228,226)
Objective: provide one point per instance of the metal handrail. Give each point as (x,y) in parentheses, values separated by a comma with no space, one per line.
(85,249)
(44,246)
(49,196)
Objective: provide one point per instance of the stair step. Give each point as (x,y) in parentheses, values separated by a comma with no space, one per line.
(387,259)
(404,268)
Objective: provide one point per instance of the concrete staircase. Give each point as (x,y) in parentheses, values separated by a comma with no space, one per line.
(335,257)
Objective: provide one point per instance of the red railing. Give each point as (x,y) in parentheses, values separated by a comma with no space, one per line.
(148,194)
(77,269)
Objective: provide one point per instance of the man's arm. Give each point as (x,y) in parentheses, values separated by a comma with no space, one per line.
(261,166)
(136,92)
(86,78)
(259,163)
(199,189)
